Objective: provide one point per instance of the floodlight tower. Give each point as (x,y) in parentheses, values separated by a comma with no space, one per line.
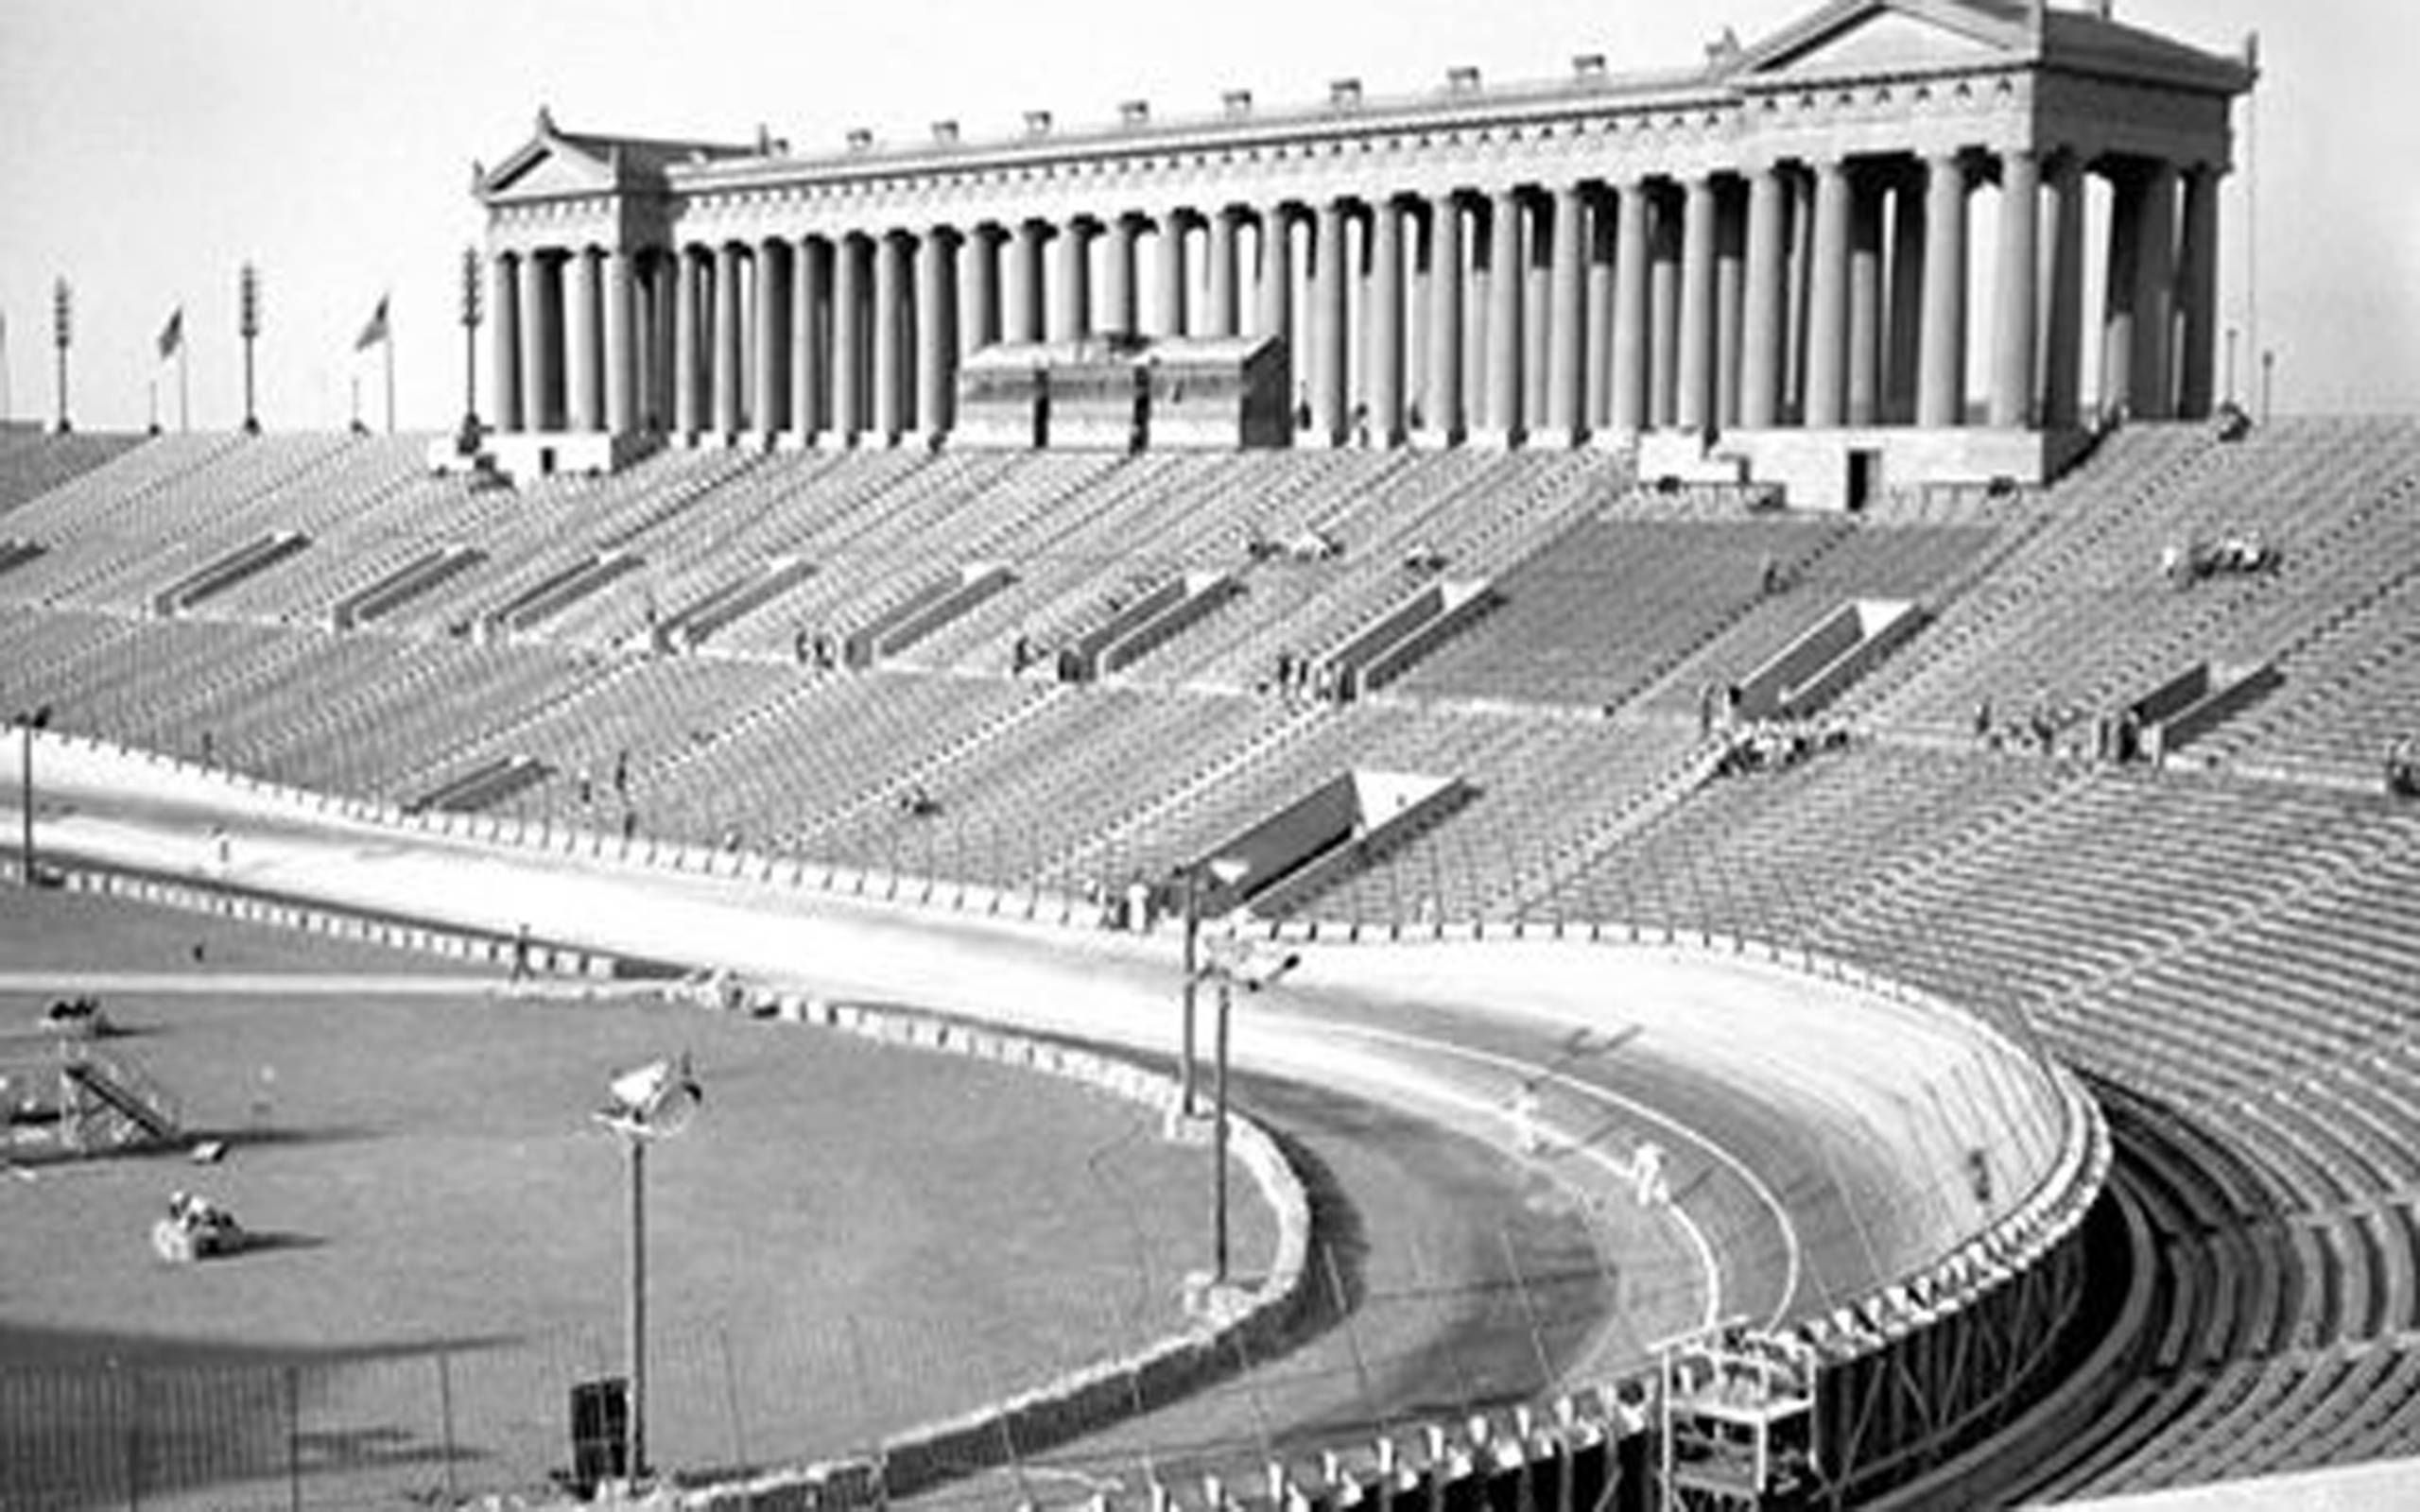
(248,325)
(653,1102)
(62,335)
(473,310)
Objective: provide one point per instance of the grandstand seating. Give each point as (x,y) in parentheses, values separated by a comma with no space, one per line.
(2224,946)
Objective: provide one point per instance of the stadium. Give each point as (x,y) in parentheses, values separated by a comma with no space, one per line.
(1636,791)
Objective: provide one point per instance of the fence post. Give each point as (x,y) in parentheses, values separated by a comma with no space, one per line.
(294,1437)
(731,1390)
(134,1442)
(445,1422)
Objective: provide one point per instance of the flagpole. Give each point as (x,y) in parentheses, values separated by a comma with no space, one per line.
(389,342)
(184,393)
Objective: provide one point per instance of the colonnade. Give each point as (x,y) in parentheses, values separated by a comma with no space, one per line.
(1823,295)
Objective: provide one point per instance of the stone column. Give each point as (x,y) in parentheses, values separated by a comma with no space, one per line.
(1119,315)
(1940,381)
(1865,301)
(2016,300)
(936,338)
(1729,301)
(2155,297)
(583,300)
(978,289)
(1505,270)
(1024,301)
(663,321)
(621,343)
(1828,300)
(810,320)
(1537,311)
(1226,301)
(1329,324)
(1071,301)
(849,257)
(889,337)
(1693,404)
(1169,255)
(689,341)
(1276,286)
(1905,353)
(537,409)
(504,342)
(1598,361)
(1382,352)
(1444,403)
(2063,353)
(1568,318)
(770,317)
(1632,310)
(1762,345)
(1670,217)
(2198,287)
(730,409)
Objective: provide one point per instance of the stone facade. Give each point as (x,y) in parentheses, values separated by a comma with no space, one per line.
(1775,240)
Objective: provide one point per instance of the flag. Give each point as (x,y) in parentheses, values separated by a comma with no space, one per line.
(172,336)
(375,331)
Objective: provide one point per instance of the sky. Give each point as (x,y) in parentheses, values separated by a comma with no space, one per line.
(149,148)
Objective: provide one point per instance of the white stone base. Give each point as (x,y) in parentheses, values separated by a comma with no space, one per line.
(527,455)
(1813,468)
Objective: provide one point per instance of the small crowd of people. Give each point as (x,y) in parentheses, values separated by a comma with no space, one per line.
(2403,767)
(1299,676)
(815,648)
(195,1229)
(1778,745)
(1310,544)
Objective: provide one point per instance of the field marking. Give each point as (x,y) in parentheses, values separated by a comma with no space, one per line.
(1609,1097)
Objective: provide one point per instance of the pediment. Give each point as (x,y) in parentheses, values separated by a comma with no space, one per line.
(1890,37)
(549,165)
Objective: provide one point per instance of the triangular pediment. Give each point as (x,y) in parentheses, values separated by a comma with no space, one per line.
(1856,38)
(549,165)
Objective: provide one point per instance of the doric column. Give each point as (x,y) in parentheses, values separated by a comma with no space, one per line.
(1904,353)
(2155,296)
(1382,359)
(1632,310)
(849,355)
(1567,318)
(2198,286)
(730,409)
(1537,310)
(978,289)
(621,342)
(688,340)
(1828,300)
(1693,404)
(1729,301)
(810,338)
(1071,300)
(1940,381)
(1444,403)
(2016,300)
(2063,353)
(504,342)
(1506,268)
(1226,299)
(583,300)
(768,318)
(936,340)
(663,320)
(889,337)
(1663,237)
(1329,366)
(1119,314)
(1169,258)
(536,408)
(1865,300)
(1276,286)
(1023,302)
(1598,361)
(1761,341)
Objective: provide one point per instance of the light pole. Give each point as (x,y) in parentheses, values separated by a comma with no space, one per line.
(1226,871)
(62,335)
(248,325)
(652,1103)
(26,724)
(471,312)
(1230,962)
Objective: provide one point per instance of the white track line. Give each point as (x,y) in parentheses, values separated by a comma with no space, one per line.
(1637,1110)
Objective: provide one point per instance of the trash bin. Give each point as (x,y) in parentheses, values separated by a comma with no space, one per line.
(600,1433)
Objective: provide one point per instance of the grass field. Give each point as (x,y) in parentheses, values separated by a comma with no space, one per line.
(847,1240)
